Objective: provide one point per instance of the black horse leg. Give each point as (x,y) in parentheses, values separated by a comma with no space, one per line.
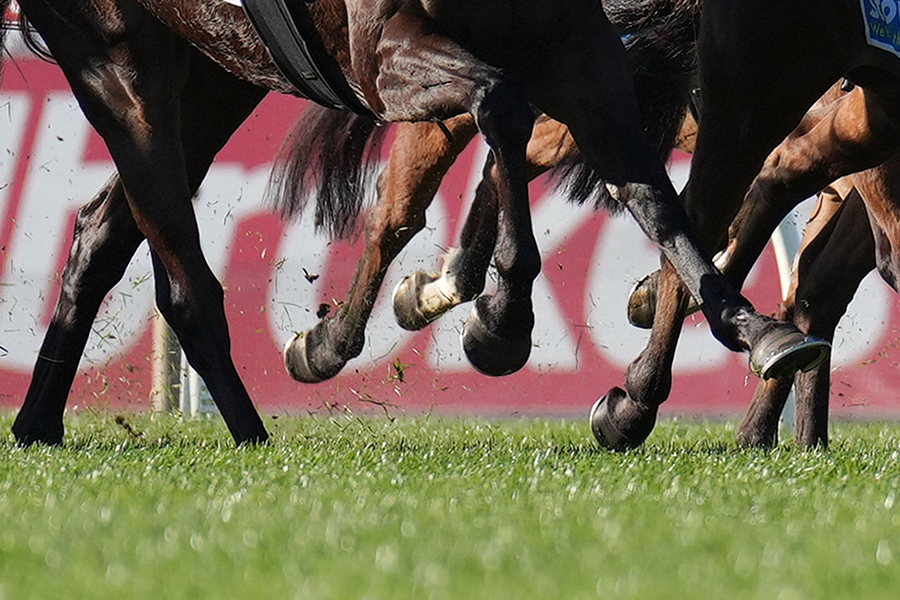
(134,99)
(603,117)
(105,240)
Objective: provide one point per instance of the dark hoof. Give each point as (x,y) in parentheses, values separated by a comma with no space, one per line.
(783,351)
(407,311)
(50,435)
(642,302)
(619,423)
(310,366)
(260,439)
(750,438)
(491,354)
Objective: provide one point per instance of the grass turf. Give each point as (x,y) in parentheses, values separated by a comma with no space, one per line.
(442,508)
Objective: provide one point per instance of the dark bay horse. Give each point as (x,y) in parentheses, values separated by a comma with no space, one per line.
(659,42)
(146,74)
(806,48)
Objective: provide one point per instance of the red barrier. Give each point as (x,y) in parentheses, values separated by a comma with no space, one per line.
(52,162)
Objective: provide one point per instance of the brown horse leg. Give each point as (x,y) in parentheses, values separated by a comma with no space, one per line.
(105,240)
(420,156)
(760,425)
(831,237)
(799,167)
(827,279)
(424,73)
(788,177)
(422,297)
(133,99)
(880,189)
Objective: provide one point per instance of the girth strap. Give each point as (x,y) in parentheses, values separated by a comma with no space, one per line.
(288,32)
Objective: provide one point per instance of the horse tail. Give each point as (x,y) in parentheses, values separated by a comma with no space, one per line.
(331,155)
(660,44)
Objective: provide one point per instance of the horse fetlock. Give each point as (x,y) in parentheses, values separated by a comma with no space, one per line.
(489,352)
(412,309)
(755,437)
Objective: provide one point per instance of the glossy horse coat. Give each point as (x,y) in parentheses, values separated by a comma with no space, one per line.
(146,75)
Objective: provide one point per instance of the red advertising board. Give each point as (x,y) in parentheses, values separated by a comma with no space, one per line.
(51,162)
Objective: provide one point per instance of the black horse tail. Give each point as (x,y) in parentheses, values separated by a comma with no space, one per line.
(660,43)
(330,155)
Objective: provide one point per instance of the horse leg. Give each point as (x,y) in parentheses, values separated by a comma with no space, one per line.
(603,118)
(847,138)
(838,237)
(420,156)
(827,281)
(132,98)
(423,297)
(423,74)
(105,239)
(792,172)
(879,190)
(760,425)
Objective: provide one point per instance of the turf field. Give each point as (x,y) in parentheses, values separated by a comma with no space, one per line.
(348,507)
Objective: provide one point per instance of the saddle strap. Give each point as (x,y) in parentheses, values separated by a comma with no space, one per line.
(287,30)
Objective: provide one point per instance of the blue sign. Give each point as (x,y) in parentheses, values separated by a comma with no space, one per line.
(882,24)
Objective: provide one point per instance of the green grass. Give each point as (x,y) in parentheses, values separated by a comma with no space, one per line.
(443,508)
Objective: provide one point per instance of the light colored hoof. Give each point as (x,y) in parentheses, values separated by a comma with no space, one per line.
(405,301)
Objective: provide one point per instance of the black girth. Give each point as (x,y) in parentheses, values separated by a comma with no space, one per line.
(297,50)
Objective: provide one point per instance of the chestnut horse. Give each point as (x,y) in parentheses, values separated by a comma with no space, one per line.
(755,88)
(146,75)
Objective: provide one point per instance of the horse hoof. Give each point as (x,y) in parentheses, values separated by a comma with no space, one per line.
(405,300)
(491,354)
(747,438)
(297,361)
(619,423)
(51,435)
(783,351)
(642,301)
